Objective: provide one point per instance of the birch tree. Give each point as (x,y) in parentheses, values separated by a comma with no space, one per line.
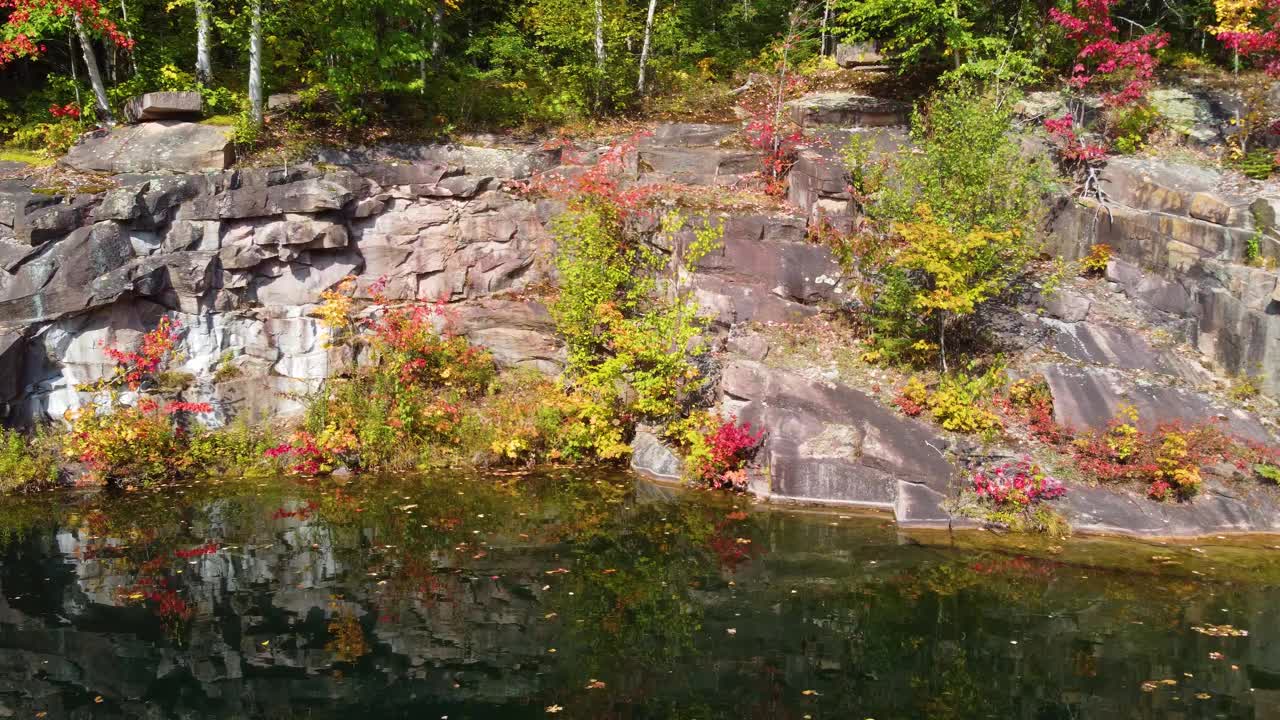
(103,106)
(644,50)
(255,63)
(204,65)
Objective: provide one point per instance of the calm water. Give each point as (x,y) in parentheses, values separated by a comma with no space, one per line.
(592,598)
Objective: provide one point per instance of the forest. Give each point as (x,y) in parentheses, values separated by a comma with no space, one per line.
(429,67)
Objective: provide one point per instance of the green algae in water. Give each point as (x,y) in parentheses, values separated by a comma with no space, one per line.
(586,595)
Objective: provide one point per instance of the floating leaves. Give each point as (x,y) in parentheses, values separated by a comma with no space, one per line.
(1220,630)
(594,684)
(554,709)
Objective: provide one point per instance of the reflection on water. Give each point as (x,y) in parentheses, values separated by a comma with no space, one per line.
(588,597)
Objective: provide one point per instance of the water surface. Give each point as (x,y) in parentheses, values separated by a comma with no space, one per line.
(586,596)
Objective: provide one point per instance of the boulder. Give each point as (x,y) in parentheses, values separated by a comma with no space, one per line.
(698,166)
(1156,185)
(1118,347)
(852,55)
(283,101)
(831,444)
(653,458)
(164,106)
(848,109)
(164,146)
(1068,305)
(1186,113)
(517,333)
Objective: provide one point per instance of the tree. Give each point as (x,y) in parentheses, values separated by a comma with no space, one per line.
(644,51)
(1236,31)
(204,65)
(958,271)
(1126,68)
(255,63)
(31,20)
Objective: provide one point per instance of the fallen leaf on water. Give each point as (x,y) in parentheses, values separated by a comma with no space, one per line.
(810,692)
(549,615)
(1203,696)
(595,684)
(1148,686)
(732,631)
(557,571)
(554,708)
(1215,656)
(609,571)
(98,699)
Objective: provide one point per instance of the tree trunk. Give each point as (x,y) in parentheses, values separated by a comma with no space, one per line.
(95,75)
(955,52)
(204,65)
(124,15)
(255,65)
(644,49)
(826,17)
(600,34)
(437,36)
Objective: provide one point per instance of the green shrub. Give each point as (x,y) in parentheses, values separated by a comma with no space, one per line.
(1258,164)
(237,449)
(956,219)
(628,346)
(1129,127)
(968,167)
(27,463)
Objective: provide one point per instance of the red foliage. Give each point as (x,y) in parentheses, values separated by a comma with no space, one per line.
(1102,59)
(20,22)
(730,447)
(195,552)
(775,135)
(1072,149)
(908,405)
(137,366)
(1016,485)
(70,110)
(301,513)
(602,181)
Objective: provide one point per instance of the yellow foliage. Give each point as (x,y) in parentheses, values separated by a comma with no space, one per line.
(955,262)
(1234,15)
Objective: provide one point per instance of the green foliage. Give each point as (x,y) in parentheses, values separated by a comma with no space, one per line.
(1268,472)
(1253,248)
(237,449)
(1129,127)
(1257,164)
(627,345)
(27,463)
(968,167)
(1003,41)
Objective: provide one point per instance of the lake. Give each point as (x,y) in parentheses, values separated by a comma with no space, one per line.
(594,595)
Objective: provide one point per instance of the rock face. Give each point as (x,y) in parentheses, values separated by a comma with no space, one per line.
(164,106)
(166,146)
(1180,240)
(241,259)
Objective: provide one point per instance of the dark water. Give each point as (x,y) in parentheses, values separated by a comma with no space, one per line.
(588,598)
